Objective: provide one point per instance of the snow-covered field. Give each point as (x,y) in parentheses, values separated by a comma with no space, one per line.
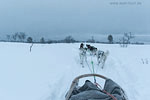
(47,72)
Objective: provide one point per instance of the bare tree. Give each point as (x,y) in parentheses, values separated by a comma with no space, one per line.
(110,38)
(21,36)
(126,39)
(42,40)
(29,40)
(8,37)
(15,36)
(92,40)
(69,39)
(123,42)
(128,36)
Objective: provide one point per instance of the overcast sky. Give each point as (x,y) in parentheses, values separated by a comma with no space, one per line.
(59,17)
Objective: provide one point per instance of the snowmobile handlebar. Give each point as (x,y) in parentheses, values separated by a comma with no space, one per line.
(76,80)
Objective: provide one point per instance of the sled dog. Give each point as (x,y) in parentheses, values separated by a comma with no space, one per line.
(91,49)
(82,54)
(101,57)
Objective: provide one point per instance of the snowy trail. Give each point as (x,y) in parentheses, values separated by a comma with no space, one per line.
(46,73)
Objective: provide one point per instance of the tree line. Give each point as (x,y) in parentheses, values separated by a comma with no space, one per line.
(22,37)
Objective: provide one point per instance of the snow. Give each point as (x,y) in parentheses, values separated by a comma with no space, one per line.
(46,73)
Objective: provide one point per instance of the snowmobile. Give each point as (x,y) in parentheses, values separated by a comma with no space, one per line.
(92,91)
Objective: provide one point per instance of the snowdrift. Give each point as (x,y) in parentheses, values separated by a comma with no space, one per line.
(47,71)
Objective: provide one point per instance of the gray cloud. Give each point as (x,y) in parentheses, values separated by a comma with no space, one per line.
(57,17)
